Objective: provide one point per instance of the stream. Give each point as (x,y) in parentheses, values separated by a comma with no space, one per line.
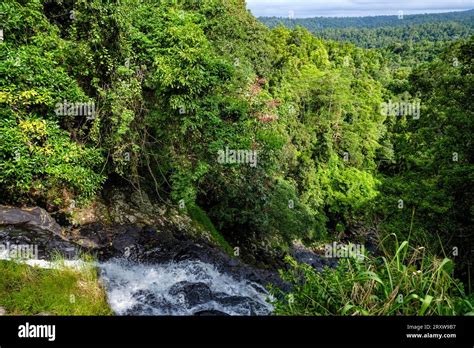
(179,288)
(161,275)
(149,271)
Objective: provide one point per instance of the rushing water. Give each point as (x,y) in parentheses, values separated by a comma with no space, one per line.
(196,285)
(175,288)
(179,288)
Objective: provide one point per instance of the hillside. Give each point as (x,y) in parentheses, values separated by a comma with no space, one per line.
(383,31)
(265,139)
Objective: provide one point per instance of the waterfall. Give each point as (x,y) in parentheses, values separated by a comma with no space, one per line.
(179,288)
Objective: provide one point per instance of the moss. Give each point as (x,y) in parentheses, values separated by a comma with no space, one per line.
(200,217)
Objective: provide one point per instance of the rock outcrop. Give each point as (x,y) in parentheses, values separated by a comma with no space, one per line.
(34,219)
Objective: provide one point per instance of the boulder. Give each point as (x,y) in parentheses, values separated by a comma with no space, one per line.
(36,228)
(194,293)
(33,219)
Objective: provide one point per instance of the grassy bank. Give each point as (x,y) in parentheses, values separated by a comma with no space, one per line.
(26,290)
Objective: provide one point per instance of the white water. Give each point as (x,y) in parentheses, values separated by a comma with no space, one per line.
(145,289)
(139,289)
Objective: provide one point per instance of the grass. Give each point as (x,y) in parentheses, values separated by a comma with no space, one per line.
(26,290)
(199,216)
(407,282)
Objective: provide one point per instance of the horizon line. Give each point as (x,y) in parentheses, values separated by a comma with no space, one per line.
(406,14)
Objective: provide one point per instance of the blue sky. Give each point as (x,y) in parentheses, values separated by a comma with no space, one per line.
(342,8)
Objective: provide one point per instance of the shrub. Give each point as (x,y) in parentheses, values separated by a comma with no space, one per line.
(38,160)
(410,282)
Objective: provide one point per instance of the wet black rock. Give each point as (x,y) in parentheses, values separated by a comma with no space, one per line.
(45,245)
(32,219)
(210,313)
(146,296)
(136,243)
(251,305)
(303,254)
(193,293)
(147,303)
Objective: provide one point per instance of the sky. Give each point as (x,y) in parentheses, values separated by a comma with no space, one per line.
(352,8)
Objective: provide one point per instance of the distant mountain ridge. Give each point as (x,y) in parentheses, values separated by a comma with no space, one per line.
(465,17)
(385,31)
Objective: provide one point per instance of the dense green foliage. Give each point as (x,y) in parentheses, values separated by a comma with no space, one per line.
(176,84)
(370,22)
(392,32)
(407,40)
(432,170)
(409,283)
